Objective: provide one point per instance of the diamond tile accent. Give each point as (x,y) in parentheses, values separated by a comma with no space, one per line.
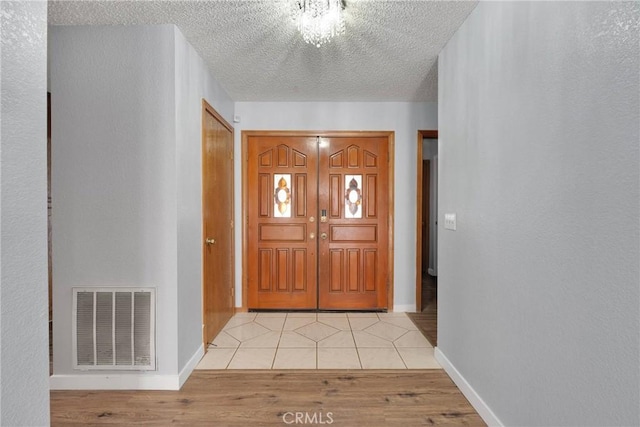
(386,331)
(319,341)
(247,331)
(317,331)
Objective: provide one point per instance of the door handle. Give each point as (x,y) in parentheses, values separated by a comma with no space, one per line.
(210,241)
(323,236)
(312,236)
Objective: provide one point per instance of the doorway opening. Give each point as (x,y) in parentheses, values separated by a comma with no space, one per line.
(317,220)
(427,233)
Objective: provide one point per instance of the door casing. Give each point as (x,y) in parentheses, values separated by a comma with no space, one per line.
(322,134)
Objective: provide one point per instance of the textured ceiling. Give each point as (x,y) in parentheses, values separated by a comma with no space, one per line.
(388,52)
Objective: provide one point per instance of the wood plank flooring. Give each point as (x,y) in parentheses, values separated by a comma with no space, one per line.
(242,398)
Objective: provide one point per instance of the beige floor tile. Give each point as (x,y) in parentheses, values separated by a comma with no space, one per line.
(364,339)
(341,339)
(301,314)
(295,358)
(380,358)
(338,358)
(290,339)
(412,339)
(237,321)
(386,330)
(216,358)
(247,331)
(332,316)
(383,316)
(356,315)
(293,323)
(360,323)
(403,322)
(271,314)
(419,358)
(317,331)
(252,358)
(224,340)
(272,323)
(245,315)
(267,340)
(341,323)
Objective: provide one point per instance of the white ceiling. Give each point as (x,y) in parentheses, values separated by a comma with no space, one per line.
(388,52)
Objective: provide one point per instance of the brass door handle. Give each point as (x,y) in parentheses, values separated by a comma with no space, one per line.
(323,236)
(210,241)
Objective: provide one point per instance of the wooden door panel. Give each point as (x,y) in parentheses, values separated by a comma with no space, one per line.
(282,175)
(354,253)
(217,213)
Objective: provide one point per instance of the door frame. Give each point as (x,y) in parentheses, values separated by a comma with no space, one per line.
(422,134)
(207,108)
(390,135)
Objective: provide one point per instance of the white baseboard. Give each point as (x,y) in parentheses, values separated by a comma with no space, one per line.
(404,308)
(145,381)
(472,396)
(190,366)
(134,381)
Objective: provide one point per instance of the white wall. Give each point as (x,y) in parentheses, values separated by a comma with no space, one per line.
(405,118)
(539,157)
(114,173)
(193,82)
(24,388)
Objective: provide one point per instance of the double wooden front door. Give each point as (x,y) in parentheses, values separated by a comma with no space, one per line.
(317,221)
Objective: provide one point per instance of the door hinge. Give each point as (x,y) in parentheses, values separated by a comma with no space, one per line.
(230,155)
(231,223)
(233,291)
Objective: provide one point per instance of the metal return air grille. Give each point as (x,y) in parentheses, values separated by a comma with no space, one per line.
(114,328)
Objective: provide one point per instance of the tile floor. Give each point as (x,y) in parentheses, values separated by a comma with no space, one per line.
(319,341)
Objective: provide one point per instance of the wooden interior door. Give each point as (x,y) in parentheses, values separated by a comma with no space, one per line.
(217,212)
(353,244)
(282,178)
(426,214)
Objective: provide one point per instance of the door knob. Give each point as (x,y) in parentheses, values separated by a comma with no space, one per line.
(312,236)
(210,241)
(323,236)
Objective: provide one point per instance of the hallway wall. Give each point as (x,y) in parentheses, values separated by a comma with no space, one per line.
(24,364)
(539,157)
(127,184)
(405,118)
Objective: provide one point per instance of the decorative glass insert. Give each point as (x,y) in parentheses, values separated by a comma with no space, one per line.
(282,195)
(353,196)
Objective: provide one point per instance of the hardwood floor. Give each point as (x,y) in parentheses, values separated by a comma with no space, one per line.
(242,398)
(427,321)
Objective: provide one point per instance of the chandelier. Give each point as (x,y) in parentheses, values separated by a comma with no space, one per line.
(318,20)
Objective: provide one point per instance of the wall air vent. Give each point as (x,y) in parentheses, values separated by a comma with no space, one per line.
(114,329)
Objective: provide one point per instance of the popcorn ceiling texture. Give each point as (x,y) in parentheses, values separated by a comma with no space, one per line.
(388,52)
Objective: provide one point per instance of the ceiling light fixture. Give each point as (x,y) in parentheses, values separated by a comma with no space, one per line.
(318,20)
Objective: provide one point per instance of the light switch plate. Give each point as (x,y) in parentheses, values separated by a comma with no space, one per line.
(450,221)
